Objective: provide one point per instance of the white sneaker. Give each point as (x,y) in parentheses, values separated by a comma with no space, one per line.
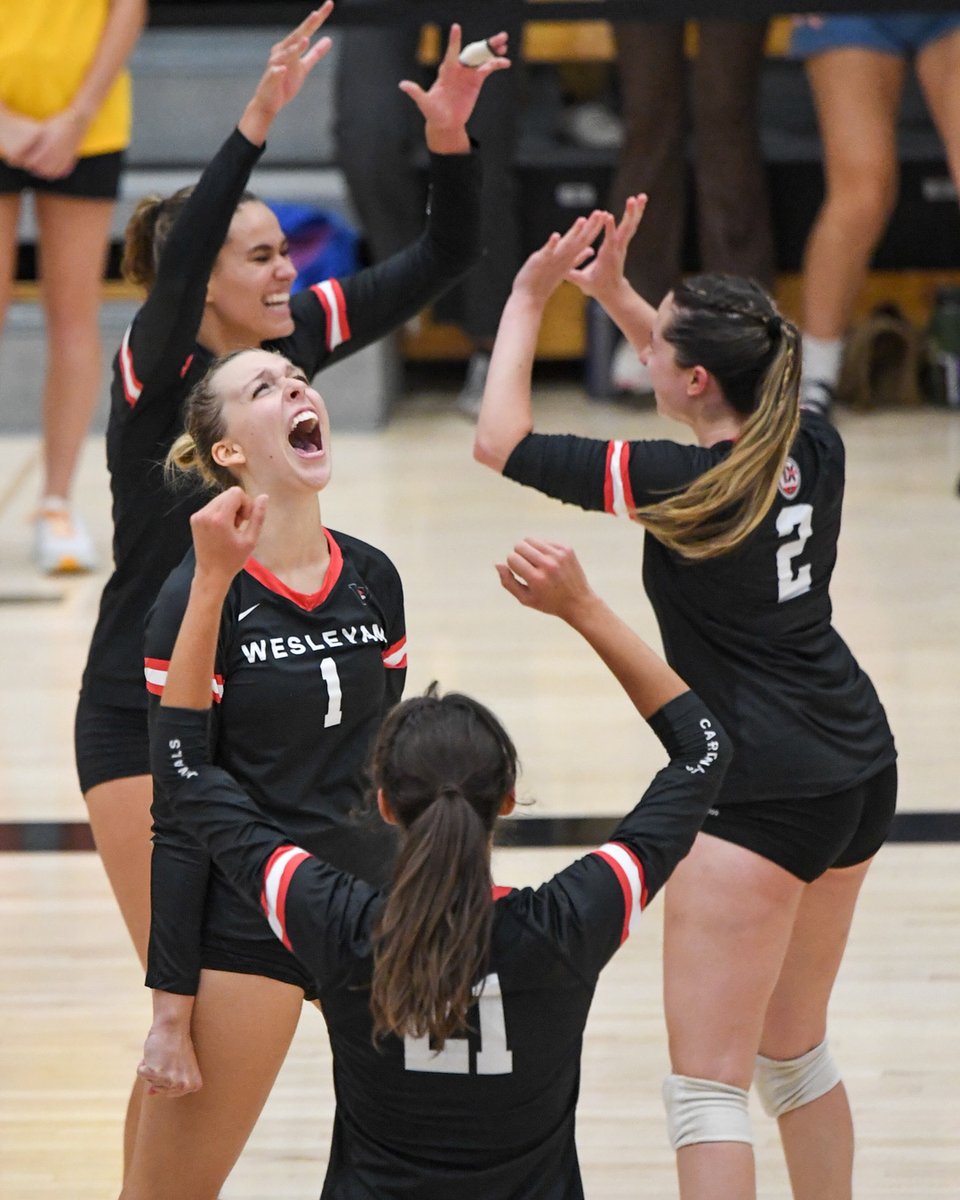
(471,394)
(61,543)
(628,373)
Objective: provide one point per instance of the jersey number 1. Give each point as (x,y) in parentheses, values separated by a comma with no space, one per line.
(793,578)
(328,669)
(493,1057)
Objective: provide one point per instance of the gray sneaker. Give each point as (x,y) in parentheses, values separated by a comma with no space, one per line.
(471,394)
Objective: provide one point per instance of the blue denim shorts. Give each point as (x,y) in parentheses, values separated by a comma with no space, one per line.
(900,34)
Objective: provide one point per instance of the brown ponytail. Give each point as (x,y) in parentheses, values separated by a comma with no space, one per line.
(445,765)
(147,232)
(204,426)
(730,326)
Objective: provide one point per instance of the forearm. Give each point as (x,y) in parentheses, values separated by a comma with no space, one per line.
(506,415)
(123,27)
(193,660)
(632,315)
(640,671)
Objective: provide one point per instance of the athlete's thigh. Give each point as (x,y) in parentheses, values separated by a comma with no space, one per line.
(728,914)
(119,812)
(242,1028)
(9,221)
(74,237)
(796,1019)
(857,96)
(938,69)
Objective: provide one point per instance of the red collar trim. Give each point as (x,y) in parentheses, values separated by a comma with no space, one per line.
(498,893)
(302,599)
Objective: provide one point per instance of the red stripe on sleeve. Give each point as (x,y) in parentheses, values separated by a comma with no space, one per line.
(341,309)
(625,476)
(608,481)
(624,887)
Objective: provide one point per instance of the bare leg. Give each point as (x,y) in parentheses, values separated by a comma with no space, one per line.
(9,217)
(242,1029)
(857,95)
(74,236)
(818,1137)
(727,923)
(938,69)
(119,814)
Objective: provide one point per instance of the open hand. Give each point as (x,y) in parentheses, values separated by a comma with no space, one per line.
(291,61)
(602,275)
(547,267)
(449,103)
(546,576)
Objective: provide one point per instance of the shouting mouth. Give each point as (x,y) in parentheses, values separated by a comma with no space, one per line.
(305,435)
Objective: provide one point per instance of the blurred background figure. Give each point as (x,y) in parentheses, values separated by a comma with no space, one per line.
(65,114)
(377,135)
(713,94)
(857,66)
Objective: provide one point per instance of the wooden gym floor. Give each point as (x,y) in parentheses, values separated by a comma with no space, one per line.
(72,1009)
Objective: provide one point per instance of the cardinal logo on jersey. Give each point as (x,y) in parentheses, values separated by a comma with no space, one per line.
(360,592)
(789,483)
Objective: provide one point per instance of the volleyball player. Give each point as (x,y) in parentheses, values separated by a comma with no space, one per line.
(456,1010)
(741,540)
(219,276)
(311,654)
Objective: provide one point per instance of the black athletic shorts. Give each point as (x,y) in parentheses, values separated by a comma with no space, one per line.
(236,935)
(110,742)
(807,837)
(96,177)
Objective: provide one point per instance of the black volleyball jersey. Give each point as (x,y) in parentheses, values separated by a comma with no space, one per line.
(159,361)
(300,687)
(750,631)
(491,1116)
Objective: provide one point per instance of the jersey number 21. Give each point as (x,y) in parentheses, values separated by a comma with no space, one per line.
(793,578)
(492,1057)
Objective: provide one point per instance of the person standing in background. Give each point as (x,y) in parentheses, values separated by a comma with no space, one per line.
(717,88)
(65,117)
(377,134)
(856,66)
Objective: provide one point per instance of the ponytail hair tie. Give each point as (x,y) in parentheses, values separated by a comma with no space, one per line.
(773,325)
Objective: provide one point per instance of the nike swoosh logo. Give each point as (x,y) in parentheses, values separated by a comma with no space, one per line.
(247,611)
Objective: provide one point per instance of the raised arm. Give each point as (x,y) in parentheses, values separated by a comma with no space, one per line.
(165,329)
(602,278)
(548,577)
(506,414)
(338,317)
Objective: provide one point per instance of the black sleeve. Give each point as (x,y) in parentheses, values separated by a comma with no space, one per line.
(340,316)
(164,331)
(319,913)
(395,655)
(180,866)
(589,909)
(605,476)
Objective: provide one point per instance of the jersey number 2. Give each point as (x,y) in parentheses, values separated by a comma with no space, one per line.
(793,578)
(493,1057)
(331,677)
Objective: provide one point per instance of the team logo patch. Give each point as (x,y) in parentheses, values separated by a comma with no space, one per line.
(360,592)
(789,483)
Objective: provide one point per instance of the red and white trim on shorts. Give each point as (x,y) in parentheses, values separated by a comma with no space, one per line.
(395,656)
(617,492)
(132,387)
(155,673)
(334,304)
(277,874)
(629,872)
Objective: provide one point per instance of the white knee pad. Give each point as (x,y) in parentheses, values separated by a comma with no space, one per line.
(786,1084)
(703,1110)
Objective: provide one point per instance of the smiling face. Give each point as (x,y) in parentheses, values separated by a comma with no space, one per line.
(248,294)
(277,432)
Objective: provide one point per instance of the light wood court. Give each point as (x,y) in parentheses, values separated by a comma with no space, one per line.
(73,1013)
